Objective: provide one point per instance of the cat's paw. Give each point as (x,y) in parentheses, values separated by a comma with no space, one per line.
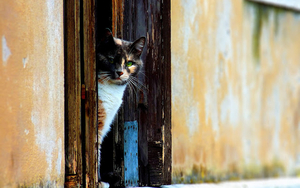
(103,185)
(112,178)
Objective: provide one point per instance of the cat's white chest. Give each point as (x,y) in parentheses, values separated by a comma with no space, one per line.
(111,97)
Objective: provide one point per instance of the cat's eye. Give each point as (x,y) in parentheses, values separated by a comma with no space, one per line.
(110,59)
(129,63)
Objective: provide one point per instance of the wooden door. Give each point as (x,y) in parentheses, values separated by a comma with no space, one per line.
(149,107)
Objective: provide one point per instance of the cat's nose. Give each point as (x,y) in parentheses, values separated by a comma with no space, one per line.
(120,73)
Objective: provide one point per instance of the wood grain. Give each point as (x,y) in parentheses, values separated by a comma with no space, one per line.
(73,155)
(90,80)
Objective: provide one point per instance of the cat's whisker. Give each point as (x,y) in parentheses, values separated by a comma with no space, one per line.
(130,92)
(104,76)
(136,85)
(140,89)
(139,84)
(131,89)
(143,73)
(105,81)
(133,86)
(104,73)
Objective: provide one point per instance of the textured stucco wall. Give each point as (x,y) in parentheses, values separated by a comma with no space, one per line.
(32,93)
(235,90)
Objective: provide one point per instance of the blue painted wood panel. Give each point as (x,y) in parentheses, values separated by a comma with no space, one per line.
(131,170)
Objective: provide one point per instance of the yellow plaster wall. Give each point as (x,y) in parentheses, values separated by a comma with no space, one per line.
(235,90)
(32,93)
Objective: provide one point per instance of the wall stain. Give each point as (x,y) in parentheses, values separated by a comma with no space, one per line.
(201,174)
(262,16)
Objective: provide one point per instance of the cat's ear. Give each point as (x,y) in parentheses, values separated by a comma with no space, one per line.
(138,46)
(106,38)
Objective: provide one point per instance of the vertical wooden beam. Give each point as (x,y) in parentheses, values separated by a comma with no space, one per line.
(117,17)
(166,88)
(90,80)
(73,155)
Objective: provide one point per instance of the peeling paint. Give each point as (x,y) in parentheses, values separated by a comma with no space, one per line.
(25,61)
(190,13)
(193,119)
(26,131)
(230,109)
(59,158)
(45,127)
(5,51)
(223,31)
(211,107)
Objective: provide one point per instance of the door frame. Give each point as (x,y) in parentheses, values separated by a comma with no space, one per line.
(81,94)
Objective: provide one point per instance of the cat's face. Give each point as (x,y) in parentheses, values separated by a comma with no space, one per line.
(118,59)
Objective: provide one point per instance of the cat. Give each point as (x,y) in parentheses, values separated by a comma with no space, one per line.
(118,61)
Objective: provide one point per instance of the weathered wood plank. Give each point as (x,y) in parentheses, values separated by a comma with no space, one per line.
(166,62)
(73,142)
(90,80)
(156,177)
